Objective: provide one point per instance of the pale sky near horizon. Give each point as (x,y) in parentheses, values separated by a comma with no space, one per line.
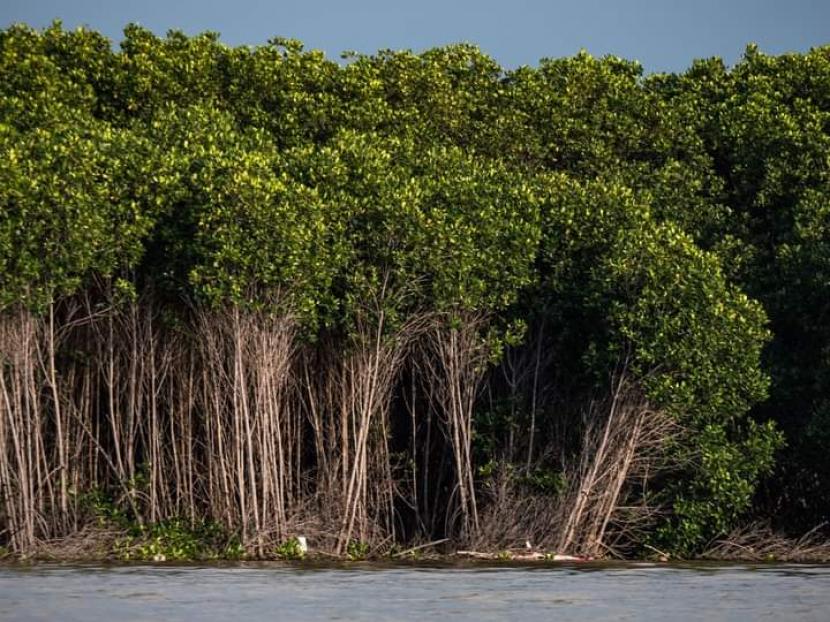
(663,35)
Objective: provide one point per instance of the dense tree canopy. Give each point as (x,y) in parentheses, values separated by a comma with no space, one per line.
(676,225)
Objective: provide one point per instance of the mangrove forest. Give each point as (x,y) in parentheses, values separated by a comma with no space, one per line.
(253,298)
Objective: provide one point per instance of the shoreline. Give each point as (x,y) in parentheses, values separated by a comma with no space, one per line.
(461,559)
(324,562)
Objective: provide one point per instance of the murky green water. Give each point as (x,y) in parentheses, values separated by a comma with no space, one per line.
(269,592)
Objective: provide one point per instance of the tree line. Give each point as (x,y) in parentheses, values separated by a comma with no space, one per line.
(410,296)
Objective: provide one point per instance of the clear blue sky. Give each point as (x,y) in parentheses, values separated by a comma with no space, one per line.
(664,35)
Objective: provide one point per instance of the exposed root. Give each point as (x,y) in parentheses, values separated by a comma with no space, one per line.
(758,542)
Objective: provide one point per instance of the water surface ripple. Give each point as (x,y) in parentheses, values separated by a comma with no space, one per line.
(273,592)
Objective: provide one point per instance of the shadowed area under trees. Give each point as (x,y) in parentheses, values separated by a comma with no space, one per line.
(248,294)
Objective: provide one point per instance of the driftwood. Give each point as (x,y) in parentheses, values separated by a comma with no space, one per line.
(420,547)
(522,556)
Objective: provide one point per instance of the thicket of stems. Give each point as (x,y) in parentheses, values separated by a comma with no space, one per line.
(229,416)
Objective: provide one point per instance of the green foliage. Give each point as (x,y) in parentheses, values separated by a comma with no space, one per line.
(36,86)
(711,502)
(356,550)
(695,338)
(178,539)
(545,481)
(627,290)
(764,124)
(290,550)
(70,197)
(104,509)
(539,480)
(168,540)
(428,230)
(240,229)
(76,191)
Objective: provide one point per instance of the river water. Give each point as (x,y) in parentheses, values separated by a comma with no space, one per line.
(247,592)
